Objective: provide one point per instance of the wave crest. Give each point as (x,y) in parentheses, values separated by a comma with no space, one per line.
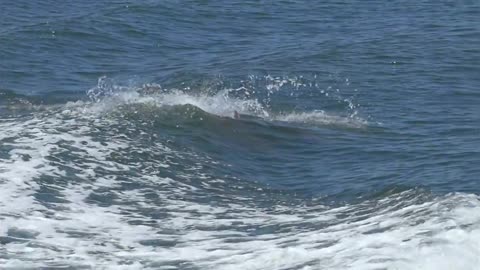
(247,101)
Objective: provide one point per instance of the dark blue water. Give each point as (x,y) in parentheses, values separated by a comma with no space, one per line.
(240,134)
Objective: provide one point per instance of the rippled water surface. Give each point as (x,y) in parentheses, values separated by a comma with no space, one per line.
(239,134)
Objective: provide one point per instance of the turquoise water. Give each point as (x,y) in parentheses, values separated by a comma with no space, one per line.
(356,146)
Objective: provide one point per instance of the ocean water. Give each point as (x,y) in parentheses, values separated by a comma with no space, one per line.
(357,144)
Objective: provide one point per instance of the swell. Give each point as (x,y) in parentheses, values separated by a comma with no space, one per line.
(167,178)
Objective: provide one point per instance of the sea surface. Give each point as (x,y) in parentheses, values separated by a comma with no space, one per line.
(149,134)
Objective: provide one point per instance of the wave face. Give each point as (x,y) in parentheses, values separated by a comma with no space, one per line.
(285,135)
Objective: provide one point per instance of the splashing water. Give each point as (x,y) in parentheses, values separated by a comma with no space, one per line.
(247,99)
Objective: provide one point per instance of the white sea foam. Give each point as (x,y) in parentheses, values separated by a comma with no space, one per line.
(442,233)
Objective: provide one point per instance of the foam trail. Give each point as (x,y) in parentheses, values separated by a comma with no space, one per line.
(388,239)
(160,222)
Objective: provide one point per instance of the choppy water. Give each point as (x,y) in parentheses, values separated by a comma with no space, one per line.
(357,146)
